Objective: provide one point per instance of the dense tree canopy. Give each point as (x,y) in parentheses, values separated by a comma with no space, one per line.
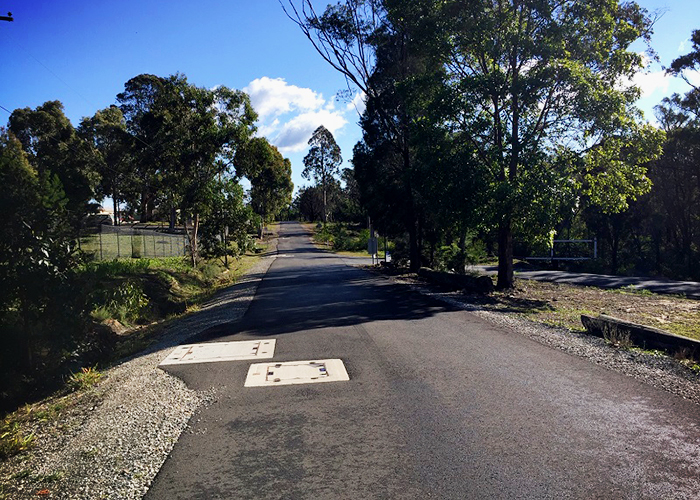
(270,176)
(526,101)
(56,152)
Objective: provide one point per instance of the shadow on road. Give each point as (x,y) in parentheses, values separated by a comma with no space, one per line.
(302,298)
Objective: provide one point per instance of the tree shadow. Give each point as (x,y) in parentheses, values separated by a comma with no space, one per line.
(302,298)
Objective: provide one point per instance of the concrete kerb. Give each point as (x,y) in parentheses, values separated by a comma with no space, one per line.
(643,336)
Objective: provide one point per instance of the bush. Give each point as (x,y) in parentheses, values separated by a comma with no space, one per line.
(84,379)
(126,302)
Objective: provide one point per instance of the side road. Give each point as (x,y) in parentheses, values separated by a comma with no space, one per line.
(690,289)
(114,440)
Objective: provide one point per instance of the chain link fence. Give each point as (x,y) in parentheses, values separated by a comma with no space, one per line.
(135,241)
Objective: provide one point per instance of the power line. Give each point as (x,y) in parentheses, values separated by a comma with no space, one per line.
(70,87)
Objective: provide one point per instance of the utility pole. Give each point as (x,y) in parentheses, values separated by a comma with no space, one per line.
(8,17)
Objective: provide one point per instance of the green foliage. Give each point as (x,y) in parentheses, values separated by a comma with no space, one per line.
(346,237)
(59,156)
(539,102)
(13,439)
(270,176)
(227,222)
(84,379)
(124,302)
(36,257)
(322,163)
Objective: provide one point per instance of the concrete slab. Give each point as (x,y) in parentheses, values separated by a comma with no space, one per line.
(296,372)
(220,351)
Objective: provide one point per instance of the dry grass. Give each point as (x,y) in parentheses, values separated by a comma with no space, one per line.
(562,305)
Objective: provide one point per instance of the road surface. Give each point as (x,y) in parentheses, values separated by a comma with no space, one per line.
(690,289)
(440,404)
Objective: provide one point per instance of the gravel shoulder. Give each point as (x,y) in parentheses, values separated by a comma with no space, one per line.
(110,441)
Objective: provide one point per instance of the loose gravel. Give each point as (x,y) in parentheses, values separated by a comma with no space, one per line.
(113,440)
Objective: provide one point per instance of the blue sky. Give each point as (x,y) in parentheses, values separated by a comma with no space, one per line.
(82,52)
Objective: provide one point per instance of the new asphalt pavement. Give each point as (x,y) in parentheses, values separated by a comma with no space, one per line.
(440,404)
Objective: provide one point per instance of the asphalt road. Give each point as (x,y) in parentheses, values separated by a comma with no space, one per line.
(440,404)
(690,289)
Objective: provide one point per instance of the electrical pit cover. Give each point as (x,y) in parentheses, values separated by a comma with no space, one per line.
(212,352)
(296,372)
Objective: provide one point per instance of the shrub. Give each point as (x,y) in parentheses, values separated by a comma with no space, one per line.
(84,379)
(125,302)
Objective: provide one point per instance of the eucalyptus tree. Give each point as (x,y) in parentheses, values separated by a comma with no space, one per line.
(59,155)
(106,131)
(322,163)
(381,49)
(270,176)
(540,91)
(185,137)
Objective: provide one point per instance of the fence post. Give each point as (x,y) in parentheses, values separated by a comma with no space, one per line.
(100,235)
(595,247)
(119,252)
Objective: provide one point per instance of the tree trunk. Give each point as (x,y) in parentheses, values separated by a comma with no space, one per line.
(143,216)
(192,237)
(325,209)
(115,208)
(173,217)
(414,248)
(505,255)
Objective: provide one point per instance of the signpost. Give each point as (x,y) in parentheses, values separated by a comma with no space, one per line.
(373,248)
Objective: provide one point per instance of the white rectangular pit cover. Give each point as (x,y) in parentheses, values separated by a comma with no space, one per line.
(220,351)
(296,372)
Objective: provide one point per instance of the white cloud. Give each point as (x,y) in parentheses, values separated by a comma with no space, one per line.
(357,103)
(693,78)
(681,46)
(295,134)
(288,114)
(272,97)
(652,82)
(649,82)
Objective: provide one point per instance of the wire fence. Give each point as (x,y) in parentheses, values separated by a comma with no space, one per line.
(107,242)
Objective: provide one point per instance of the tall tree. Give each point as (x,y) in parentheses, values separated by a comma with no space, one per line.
(270,176)
(380,47)
(538,93)
(322,162)
(106,131)
(141,105)
(55,150)
(186,136)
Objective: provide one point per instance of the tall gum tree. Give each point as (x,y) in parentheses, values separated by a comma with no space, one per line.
(186,137)
(322,162)
(541,91)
